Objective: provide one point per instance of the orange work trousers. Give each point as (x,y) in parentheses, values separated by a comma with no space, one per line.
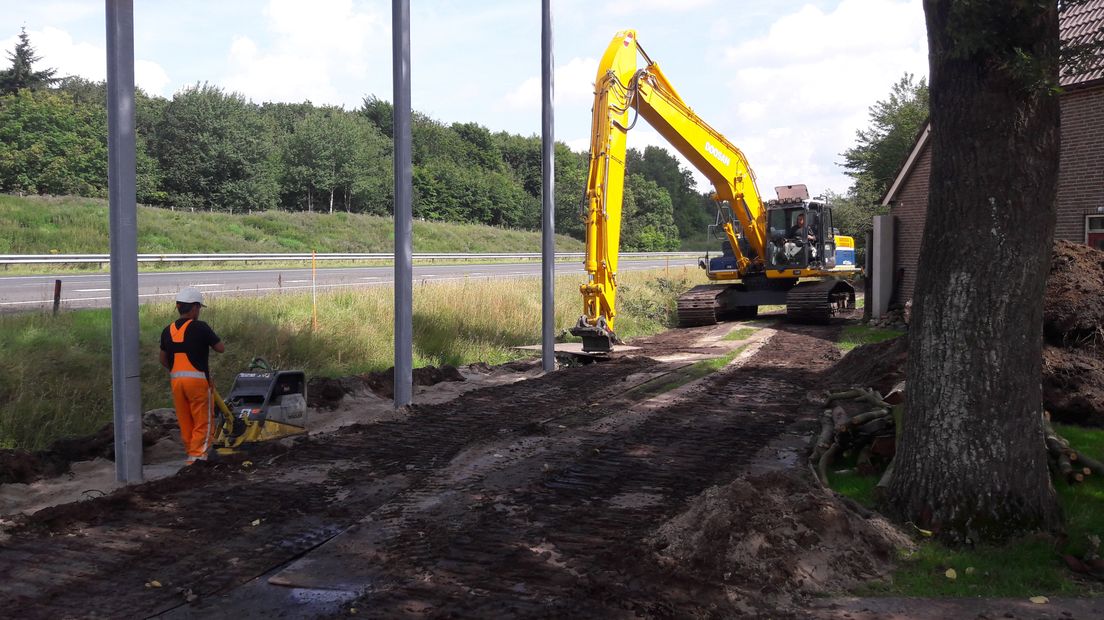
(193,402)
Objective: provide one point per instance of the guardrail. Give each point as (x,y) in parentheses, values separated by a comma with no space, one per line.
(44,259)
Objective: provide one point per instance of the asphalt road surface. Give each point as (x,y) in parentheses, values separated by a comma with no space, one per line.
(18,293)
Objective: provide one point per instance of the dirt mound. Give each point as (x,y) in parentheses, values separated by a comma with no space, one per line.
(880,365)
(1073,385)
(383,383)
(1073,325)
(1074,311)
(21,466)
(326,393)
(780,535)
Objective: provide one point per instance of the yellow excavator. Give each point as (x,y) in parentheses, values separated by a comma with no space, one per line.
(781,252)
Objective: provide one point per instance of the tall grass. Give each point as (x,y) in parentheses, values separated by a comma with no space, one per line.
(55,372)
(72,225)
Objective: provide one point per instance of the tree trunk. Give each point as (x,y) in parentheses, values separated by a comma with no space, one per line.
(972,461)
(331,200)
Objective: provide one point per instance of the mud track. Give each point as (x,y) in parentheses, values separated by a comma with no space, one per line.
(532,499)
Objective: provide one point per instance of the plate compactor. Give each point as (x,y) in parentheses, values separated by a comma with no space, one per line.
(263,404)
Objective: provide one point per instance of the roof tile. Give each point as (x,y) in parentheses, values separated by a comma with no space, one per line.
(1083,24)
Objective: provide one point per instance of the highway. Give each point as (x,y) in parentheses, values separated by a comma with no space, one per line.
(20,293)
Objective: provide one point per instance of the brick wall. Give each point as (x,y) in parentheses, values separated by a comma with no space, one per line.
(1081,173)
(910,210)
(1080,184)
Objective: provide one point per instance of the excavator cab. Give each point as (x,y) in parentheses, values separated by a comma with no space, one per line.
(800,235)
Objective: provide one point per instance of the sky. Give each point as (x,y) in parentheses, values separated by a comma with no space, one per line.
(788,82)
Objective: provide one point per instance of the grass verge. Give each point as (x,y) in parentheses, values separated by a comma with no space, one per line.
(855,335)
(73,225)
(1028,567)
(55,372)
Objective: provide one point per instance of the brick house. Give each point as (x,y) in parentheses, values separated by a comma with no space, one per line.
(1081,168)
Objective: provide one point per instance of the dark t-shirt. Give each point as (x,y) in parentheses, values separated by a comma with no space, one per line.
(198,340)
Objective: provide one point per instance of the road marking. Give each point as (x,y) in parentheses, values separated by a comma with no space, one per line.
(90,290)
(204,285)
(297,281)
(371,278)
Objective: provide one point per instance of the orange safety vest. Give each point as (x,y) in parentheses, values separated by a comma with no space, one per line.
(182,366)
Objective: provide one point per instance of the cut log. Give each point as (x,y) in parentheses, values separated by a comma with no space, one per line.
(845,395)
(1094,465)
(863,418)
(825,459)
(840,418)
(876,427)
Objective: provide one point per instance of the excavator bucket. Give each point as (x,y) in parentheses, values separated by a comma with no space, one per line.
(596,338)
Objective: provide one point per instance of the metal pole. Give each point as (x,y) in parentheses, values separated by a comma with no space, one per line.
(126,389)
(404,191)
(548,202)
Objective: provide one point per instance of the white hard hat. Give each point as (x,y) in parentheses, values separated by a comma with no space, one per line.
(190,295)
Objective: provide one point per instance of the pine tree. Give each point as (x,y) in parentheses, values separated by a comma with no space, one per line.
(21,74)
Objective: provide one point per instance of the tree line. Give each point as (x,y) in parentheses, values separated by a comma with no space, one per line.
(208,149)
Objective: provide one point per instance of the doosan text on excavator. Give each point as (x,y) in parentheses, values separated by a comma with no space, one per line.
(779,252)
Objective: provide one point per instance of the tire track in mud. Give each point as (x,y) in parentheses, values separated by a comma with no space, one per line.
(196,531)
(562,532)
(555,525)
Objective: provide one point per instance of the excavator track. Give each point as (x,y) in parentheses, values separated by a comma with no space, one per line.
(818,302)
(700,305)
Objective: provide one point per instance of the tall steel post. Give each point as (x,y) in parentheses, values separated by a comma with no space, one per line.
(404,191)
(548,192)
(126,389)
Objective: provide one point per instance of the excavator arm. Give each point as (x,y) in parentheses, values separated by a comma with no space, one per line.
(622,94)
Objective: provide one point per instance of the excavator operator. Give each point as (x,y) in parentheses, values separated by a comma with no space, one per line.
(799,232)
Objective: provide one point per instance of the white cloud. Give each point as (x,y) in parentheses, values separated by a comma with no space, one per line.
(573,83)
(799,92)
(638,7)
(57,49)
(312,47)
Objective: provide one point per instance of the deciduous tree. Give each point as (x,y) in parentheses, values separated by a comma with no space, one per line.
(971,463)
(216,151)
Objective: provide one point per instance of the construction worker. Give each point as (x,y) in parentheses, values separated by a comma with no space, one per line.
(185,347)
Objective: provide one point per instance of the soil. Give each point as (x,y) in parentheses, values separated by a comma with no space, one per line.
(21,466)
(1073,356)
(383,383)
(587,492)
(1073,360)
(880,365)
(779,533)
(1074,311)
(323,392)
(537,497)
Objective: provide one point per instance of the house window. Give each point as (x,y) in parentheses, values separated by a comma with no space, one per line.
(1094,231)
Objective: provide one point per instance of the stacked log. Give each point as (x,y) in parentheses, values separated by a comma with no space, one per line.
(1066,463)
(860,422)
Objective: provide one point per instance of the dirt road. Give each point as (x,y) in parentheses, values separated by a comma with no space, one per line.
(532,499)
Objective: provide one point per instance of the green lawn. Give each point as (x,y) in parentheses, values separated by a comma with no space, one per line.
(1028,567)
(856,335)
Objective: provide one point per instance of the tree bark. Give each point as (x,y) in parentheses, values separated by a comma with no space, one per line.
(972,461)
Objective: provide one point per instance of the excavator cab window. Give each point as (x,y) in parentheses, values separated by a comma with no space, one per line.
(789,245)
